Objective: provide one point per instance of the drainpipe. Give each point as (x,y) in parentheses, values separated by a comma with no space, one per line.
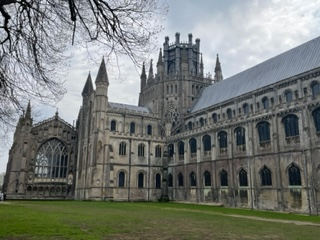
(129,173)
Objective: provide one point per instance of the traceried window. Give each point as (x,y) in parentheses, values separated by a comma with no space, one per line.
(113,125)
(141,150)
(206,143)
(240,136)
(122,149)
(315,87)
(294,175)
(52,160)
(223,139)
(265,175)
(243,178)
(291,125)
(207,179)
(193,180)
(223,178)
(264,131)
(265,103)
(121,179)
(158,151)
(180,180)
(316,118)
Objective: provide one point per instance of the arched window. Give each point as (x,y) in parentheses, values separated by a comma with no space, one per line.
(52,160)
(240,136)
(264,131)
(214,118)
(315,87)
(158,151)
(193,145)
(229,113)
(246,109)
(207,179)
(201,122)
(291,125)
(223,139)
(170,150)
(181,148)
(206,143)
(180,180)
(141,150)
(243,178)
(170,180)
(113,126)
(265,175)
(132,128)
(140,180)
(158,180)
(149,130)
(190,125)
(294,175)
(121,179)
(265,103)
(223,178)
(122,148)
(288,96)
(193,179)
(316,119)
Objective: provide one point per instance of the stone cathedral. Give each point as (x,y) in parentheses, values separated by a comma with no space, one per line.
(251,140)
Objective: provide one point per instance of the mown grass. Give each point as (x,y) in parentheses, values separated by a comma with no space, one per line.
(114,220)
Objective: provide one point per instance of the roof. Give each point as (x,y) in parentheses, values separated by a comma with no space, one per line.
(296,61)
(129,107)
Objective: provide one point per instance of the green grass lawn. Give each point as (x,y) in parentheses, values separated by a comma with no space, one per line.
(114,220)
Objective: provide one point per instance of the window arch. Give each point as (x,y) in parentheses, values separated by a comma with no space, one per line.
(121,179)
(246,109)
(263,131)
(122,148)
(243,178)
(229,113)
(294,175)
(265,175)
(288,96)
(141,150)
(193,145)
(158,180)
(193,179)
(170,150)
(265,103)
(223,139)
(181,148)
(206,140)
(149,130)
(180,180)
(140,180)
(214,118)
(315,87)
(132,127)
(291,125)
(113,125)
(52,160)
(207,178)
(223,178)
(316,118)
(158,151)
(240,136)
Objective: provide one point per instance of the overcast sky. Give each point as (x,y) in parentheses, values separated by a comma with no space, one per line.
(243,33)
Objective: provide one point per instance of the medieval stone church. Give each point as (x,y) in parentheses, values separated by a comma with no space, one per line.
(252,140)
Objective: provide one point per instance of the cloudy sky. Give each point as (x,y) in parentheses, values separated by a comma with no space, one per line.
(243,33)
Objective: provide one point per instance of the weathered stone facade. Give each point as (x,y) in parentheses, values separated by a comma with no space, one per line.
(248,141)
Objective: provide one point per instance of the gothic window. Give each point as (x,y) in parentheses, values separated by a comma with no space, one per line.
(121,179)
(181,148)
(223,178)
(190,125)
(170,150)
(207,179)
(214,118)
(288,96)
(294,175)
(223,139)
(265,175)
(158,151)
(180,180)
(193,145)
(315,87)
(265,103)
(158,180)
(264,131)
(149,130)
(240,136)
(113,126)
(206,143)
(170,180)
(132,128)
(246,109)
(193,180)
(52,160)
(140,180)
(291,125)
(201,122)
(316,118)
(243,178)
(141,150)
(122,148)
(229,113)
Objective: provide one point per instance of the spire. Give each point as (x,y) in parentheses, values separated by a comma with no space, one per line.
(160,61)
(217,71)
(143,78)
(28,111)
(102,76)
(150,76)
(143,74)
(201,66)
(88,87)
